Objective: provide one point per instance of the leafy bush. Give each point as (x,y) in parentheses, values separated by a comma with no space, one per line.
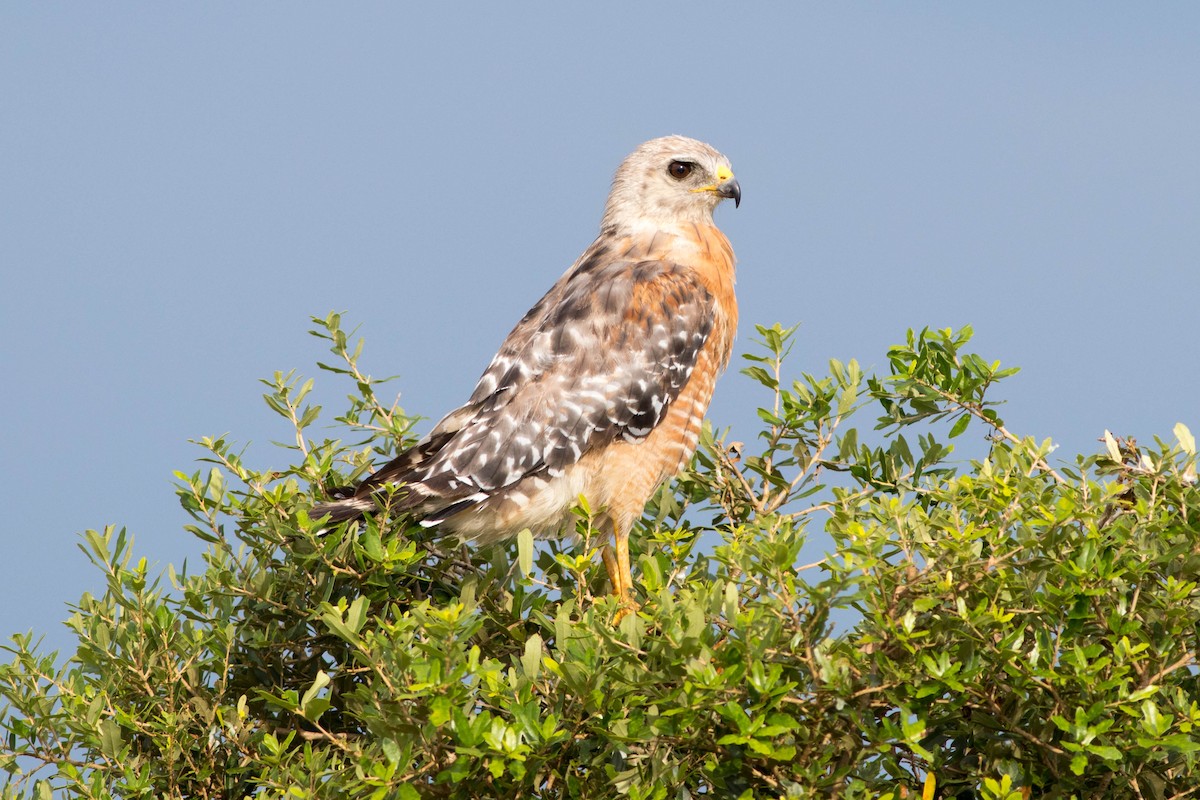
(1002,628)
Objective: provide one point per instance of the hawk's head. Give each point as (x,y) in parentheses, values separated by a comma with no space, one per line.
(667,181)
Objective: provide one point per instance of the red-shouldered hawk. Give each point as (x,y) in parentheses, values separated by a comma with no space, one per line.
(601,388)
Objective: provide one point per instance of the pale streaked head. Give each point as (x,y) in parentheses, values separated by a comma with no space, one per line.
(668,181)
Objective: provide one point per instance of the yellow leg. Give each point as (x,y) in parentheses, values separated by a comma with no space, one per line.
(613,569)
(625,589)
(616,562)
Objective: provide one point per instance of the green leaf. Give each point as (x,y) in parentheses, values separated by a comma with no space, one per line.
(731,600)
(1152,721)
(960,426)
(525,552)
(1179,743)
(111,740)
(1106,752)
(312,706)
(356,615)
(531,660)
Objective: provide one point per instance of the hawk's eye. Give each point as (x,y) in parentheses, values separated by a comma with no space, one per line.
(680,169)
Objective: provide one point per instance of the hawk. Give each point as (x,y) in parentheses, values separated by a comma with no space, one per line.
(601,388)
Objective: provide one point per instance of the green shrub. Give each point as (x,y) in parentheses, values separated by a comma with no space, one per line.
(1002,628)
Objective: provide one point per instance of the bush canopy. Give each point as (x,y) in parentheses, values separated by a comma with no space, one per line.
(998,628)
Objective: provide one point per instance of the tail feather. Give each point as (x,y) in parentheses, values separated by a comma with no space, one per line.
(404,485)
(356,506)
(352,504)
(343,510)
(441,514)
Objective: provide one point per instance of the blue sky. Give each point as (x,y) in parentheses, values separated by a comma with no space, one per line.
(182,186)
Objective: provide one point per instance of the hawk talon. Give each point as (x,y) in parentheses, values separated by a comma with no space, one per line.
(627,607)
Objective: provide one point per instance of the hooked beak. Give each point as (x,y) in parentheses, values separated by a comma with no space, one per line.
(730,188)
(726,186)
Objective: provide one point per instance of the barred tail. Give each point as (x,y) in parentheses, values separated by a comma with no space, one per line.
(343,510)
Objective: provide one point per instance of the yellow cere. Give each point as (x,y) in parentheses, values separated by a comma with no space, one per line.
(723,174)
